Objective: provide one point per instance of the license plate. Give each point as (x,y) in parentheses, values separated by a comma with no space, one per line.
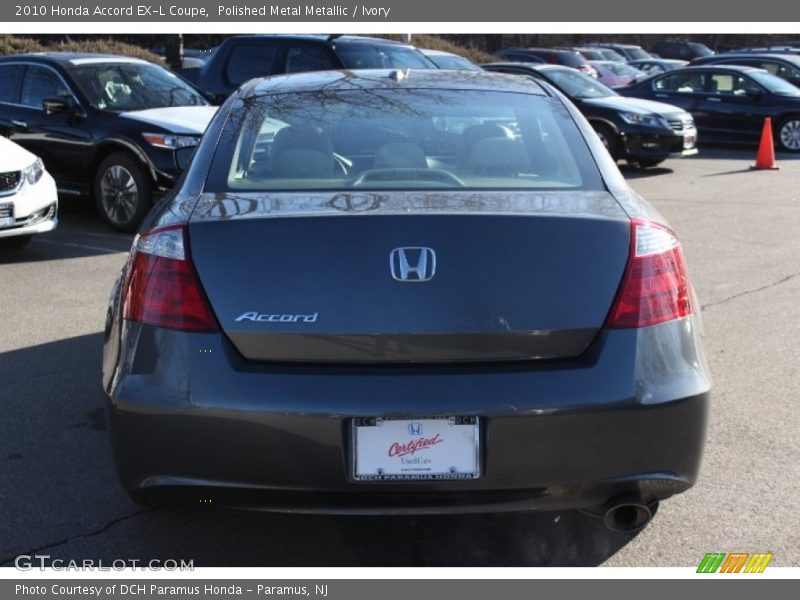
(396,449)
(689,141)
(6,222)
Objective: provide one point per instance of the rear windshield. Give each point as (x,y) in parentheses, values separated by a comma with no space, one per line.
(379,139)
(376,56)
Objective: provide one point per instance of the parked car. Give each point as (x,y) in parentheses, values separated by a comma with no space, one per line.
(785,66)
(655,66)
(643,133)
(729,102)
(787,49)
(567,58)
(682,49)
(28,198)
(617,74)
(609,54)
(448,60)
(104,125)
(628,51)
(405,292)
(243,57)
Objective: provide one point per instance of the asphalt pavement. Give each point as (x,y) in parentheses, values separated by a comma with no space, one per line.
(741,235)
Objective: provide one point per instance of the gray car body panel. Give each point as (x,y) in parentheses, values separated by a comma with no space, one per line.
(189,412)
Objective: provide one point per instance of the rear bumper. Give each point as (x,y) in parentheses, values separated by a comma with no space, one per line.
(189,417)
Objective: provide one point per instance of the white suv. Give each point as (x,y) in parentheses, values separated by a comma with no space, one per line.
(28,198)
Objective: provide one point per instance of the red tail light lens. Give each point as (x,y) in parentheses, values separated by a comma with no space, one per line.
(162,288)
(655,287)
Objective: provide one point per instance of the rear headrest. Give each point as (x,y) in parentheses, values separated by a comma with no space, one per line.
(499,157)
(400,155)
(302,152)
(297,137)
(303,163)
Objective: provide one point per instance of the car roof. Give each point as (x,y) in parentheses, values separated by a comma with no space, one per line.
(715,67)
(615,45)
(68,59)
(529,65)
(348,80)
(429,52)
(536,49)
(321,38)
(792,58)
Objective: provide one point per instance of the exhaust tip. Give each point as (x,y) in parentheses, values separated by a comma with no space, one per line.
(628,513)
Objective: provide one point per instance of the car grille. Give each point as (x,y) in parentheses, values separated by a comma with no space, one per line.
(9,181)
(6,211)
(681,123)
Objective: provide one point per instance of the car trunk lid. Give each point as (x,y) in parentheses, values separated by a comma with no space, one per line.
(339,278)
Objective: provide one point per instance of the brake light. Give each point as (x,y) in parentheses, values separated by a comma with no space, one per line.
(655,287)
(162,287)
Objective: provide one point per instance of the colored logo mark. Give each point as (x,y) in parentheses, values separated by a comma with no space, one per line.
(734,562)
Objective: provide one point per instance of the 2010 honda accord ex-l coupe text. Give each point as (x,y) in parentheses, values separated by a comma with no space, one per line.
(405,292)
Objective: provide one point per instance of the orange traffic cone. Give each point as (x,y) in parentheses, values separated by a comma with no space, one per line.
(765,159)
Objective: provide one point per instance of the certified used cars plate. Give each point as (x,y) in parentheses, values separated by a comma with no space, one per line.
(391,449)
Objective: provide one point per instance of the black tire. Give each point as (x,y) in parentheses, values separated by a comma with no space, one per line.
(787,134)
(610,139)
(16,242)
(122,191)
(645,163)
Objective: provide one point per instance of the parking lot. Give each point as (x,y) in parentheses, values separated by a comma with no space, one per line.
(739,228)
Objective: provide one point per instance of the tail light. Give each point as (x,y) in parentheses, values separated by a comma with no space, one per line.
(655,287)
(162,287)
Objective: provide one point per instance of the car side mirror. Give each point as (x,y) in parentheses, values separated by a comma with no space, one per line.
(54,106)
(183,157)
(755,95)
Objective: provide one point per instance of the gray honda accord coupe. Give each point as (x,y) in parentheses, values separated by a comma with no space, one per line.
(405,292)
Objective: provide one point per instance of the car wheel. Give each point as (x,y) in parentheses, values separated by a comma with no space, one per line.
(645,163)
(13,243)
(610,139)
(789,134)
(122,191)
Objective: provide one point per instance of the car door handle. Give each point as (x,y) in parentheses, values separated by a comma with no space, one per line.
(20,124)
(715,99)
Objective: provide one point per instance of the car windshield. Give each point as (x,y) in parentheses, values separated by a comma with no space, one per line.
(701,49)
(619,68)
(376,56)
(457,63)
(577,85)
(134,86)
(414,139)
(636,53)
(775,84)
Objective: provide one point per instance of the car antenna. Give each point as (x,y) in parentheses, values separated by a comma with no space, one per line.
(333,36)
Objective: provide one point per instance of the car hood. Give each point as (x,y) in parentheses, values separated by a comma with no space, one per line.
(635,105)
(13,157)
(176,119)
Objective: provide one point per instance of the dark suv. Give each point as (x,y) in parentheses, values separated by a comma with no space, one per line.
(241,58)
(682,49)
